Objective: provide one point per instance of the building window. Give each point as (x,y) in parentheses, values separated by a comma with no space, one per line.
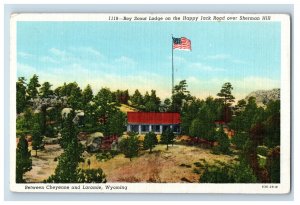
(155,128)
(176,128)
(165,127)
(145,128)
(134,128)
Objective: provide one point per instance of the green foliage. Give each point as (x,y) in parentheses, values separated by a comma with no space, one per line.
(152,102)
(225,94)
(45,90)
(262,150)
(116,123)
(36,136)
(223,143)
(240,139)
(221,172)
(167,137)
(273,164)
(32,87)
(25,122)
(23,159)
(166,106)
(227,98)
(150,141)
(129,146)
(69,131)
(67,169)
(198,117)
(87,95)
(137,99)
(106,155)
(21,94)
(180,94)
(272,124)
(121,96)
(91,176)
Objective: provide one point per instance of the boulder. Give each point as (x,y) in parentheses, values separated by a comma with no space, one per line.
(93,142)
(49,140)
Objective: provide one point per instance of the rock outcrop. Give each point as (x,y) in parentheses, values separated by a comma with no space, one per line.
(264,96)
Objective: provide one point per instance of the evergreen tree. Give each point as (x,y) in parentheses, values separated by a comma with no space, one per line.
(273,164)
(137,98)
(21,94)
(227,98)
(36,137)
(223,143)
(69,131)
(23,159)
(45,90)
(67,169)
(116,123)
(166,106)
(32,87)
(87,95)
(75,97)
(167,137)
(150,141)
(225,94)
(179,96)
(129,146)
(92,176)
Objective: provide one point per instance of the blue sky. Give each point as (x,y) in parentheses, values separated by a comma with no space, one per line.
(123,55)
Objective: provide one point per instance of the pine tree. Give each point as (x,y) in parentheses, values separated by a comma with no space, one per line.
(23,159)
(167,137)
(32,88)
(45,90)
(150,141)
(87,95)
(129,146)
(21,94)
(225,94)
(67,169)
(69,131)
(227,98)
(36,137)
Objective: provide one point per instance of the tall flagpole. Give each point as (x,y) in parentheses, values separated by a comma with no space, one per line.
(172,68)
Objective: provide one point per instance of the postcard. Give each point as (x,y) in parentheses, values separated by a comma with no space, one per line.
(150,103)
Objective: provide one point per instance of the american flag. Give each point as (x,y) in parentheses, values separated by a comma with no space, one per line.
(182,43)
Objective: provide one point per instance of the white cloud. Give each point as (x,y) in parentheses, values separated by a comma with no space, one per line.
(203,67)
(48,59)
(24,55)
(125,61)
(218,57)
(224,57)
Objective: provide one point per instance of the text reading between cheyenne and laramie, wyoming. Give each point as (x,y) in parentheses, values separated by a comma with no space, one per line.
(78,187)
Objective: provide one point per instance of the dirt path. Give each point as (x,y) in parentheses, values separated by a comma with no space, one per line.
(43,165)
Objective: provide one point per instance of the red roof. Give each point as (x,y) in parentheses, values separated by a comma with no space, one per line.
(153,117)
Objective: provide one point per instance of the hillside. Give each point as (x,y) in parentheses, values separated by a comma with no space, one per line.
(126,108)
(264,96)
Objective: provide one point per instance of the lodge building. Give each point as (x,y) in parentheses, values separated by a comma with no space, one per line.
(157,122)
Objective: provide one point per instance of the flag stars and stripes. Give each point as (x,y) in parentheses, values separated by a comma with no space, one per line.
(182,43)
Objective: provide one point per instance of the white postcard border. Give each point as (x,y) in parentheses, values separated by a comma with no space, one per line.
(282,188)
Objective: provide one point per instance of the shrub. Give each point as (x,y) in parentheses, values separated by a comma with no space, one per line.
(273,164)
(223,143)
(129,146)
(262,150)
(228,173)
(240,139)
